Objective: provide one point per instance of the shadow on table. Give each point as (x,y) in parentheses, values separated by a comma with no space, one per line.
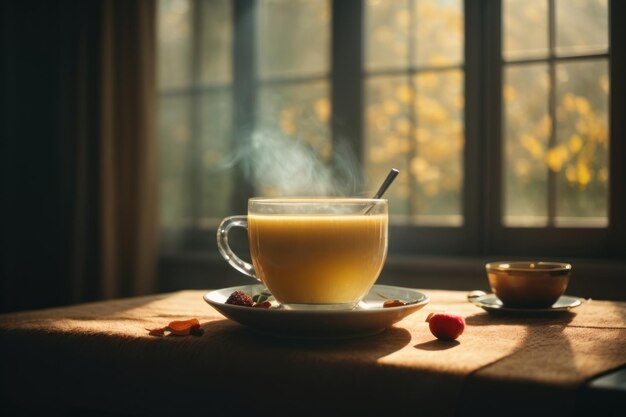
(535,371)
(598,394)
(370,348)
(240,369)
(437,345)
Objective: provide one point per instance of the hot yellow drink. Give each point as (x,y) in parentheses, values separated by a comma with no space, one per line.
(318,258)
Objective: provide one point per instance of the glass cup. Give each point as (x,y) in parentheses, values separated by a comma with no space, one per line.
(312,253)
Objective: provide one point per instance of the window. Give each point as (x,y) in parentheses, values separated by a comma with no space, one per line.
(503,117)
(414,84)
(292,141)
(555,139)
(195,113)
(555,117)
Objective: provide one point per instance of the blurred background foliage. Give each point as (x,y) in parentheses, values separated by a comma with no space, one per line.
(554,94)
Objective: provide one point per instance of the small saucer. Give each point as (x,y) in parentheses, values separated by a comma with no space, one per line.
(368,318)
(491,304)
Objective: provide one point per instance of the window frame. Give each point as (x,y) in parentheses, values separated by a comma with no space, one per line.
(415,239)
(550,240)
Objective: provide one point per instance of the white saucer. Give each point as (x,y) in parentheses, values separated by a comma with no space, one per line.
(367,319)
(491,303)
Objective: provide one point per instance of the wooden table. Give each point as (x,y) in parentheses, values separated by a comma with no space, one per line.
(98,359)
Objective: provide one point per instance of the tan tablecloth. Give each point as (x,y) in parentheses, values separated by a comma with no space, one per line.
(99,356)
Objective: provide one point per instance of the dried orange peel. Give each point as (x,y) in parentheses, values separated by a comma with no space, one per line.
(179,328)
(182,327)
(393,303)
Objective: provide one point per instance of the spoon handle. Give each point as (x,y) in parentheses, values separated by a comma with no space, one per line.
(390,177)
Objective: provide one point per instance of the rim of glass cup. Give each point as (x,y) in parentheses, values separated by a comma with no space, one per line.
(316,200)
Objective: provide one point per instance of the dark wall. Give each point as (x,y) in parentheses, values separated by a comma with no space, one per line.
(39,50)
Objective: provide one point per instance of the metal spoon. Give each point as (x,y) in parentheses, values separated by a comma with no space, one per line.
(390,177)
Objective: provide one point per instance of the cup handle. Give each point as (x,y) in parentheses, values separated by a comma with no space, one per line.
(224,248)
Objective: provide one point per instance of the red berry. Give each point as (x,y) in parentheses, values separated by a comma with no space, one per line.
(446,326)
(240,298)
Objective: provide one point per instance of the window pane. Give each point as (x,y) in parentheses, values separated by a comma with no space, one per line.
(580,157)
(415,122)
(292,146)
(216,41)
(174,38)
(525,28)
(388,133)
(387,34)
(581,26)
(294,38)
(428,154)
(433,19)
(174,151)
(215,179)
(194,116)
(437,165)
(527,127)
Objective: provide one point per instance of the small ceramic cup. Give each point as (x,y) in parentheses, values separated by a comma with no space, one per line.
(528,284)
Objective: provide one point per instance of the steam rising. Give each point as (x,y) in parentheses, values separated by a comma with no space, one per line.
(286,166)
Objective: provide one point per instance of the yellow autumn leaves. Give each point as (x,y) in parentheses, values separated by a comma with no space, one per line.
(308,119)
(401,33)
(576,154)
(416,123)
